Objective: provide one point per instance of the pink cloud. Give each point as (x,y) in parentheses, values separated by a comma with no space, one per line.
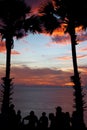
(82,36)
(61,39)
(3,49)
(64,58)
(44,76)
(70,57)
(83,74)
(35,4)
(14,52)
(83,49)
(81,56)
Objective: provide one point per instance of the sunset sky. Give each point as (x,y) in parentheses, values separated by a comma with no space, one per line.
(41,59)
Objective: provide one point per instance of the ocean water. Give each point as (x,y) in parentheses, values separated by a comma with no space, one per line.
(46,99)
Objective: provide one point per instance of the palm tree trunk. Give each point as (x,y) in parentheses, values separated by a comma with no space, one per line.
(73,47)
(6,80)
(8,58)
(79,106)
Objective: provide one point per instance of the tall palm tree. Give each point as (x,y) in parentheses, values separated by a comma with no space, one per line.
(14,23)
(12,16)
(67,11)
(76,16)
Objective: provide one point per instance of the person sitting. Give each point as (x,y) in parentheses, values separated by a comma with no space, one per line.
(32,120)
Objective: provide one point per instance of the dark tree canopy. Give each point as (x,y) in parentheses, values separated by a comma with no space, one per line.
(12,15)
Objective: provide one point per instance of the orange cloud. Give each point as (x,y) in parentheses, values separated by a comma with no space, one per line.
(59,37)
(83,69)
(69,84)
(79,29)
(59,31)
(2,47)
(44,77)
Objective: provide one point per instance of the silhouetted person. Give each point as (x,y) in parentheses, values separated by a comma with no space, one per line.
(32,120)
(43,121)
(52,121)
(12,110)
(3,122)
(12,117)
(75,121)
(59,118)
(67,120)
(18,119)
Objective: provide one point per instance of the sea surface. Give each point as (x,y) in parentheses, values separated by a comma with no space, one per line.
(45,99)
(40,99)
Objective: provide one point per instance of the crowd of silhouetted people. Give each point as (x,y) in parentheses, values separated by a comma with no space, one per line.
(54,121)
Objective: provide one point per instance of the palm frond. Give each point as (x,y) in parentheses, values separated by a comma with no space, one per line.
(33,24)
(12,15)
(49,17)
(50,23)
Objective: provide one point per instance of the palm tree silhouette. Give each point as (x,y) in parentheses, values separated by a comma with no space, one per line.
(12,15)
(55,13)
(14,23)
